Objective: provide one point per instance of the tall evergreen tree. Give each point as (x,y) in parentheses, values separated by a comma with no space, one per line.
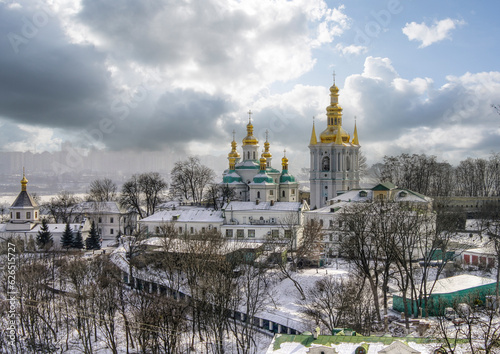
(44,237)
(78,240)
(92,242)
(67,237)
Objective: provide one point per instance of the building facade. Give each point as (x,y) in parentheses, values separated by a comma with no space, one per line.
(334,158)
(254,178)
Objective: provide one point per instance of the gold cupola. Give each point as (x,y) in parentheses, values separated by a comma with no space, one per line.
(250,139)
(266,152)
(263,163)
(284,162)
(24,182)
(234,153)
(334,120)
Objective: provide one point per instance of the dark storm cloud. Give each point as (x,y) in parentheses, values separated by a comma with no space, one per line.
(166,32)
(45,80)
(177,118)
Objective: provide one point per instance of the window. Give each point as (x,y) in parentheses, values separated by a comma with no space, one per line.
(36,214)
(180,230)
(100,220)
(240,233)
(202,229)
(340,223)
(18,215)
(331,223)
(157,230)
(288,234)
(251,233)
(191,229)
(331,237)
(271,192)
(111,231)
(229,233)
(325,164)
(111,220)
(28,215)
(320,222)
(293,191)
(254,155)
(258,194)
(275,233)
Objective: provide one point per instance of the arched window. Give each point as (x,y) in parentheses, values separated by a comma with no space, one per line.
(325,164)
(248,155)
(258,194)
(254,155)
(348,163)
(283,194)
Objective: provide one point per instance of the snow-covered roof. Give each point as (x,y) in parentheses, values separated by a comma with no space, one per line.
(24,200)
(457,283)
(363,195)
(481,250)
(182,246)
(57,228)
(277,206)
(186,215)
(99,207)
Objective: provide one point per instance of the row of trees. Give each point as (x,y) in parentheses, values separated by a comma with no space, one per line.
(424,174)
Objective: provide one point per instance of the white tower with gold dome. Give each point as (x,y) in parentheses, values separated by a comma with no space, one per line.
(334,158)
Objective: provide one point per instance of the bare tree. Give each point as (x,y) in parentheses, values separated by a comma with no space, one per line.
(102,190)
(143,190)
(190,179)
(64,207)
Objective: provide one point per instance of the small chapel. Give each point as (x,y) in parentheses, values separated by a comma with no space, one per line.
(253,178)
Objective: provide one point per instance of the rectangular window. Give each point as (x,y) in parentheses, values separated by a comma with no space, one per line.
(229,233)
(293,191)
(157,230)
(100,220)
(271,192)
(240,233)
(36,214)
(180,230)
(111,220)
(275,233)
(251,233)
(203,229)
(191,230)
(28,215)
(340,223)
(288,234)
(111,231)
(18,215)
(331,223)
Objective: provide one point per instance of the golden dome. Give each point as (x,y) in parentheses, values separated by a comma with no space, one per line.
(263,163)
(24,182)
(234,153)
(250,139)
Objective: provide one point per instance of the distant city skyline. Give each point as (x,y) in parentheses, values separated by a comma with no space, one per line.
(179,77)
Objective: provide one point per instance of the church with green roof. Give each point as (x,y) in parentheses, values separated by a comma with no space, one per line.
(253,178)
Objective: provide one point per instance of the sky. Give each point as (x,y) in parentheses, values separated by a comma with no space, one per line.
(122,75)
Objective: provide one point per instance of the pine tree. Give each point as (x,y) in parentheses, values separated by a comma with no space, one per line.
(44,236)
(92,242)
(78,240)
(67,237)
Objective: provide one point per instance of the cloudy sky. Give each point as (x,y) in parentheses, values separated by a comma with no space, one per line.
(419,76)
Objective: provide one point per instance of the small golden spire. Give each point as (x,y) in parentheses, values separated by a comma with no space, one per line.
(313,141)
(263,163)
(24,182)
(355,140)
(284,161)
(266,153)
(234,153)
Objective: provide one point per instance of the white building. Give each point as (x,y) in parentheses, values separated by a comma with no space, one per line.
(329,215)
(109,218)
(334,158)
(185,221)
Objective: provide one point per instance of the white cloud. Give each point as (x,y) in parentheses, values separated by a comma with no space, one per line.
(351,49)
(397,115)
(428,35)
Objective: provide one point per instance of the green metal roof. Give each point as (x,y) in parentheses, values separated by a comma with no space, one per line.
(385,186)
